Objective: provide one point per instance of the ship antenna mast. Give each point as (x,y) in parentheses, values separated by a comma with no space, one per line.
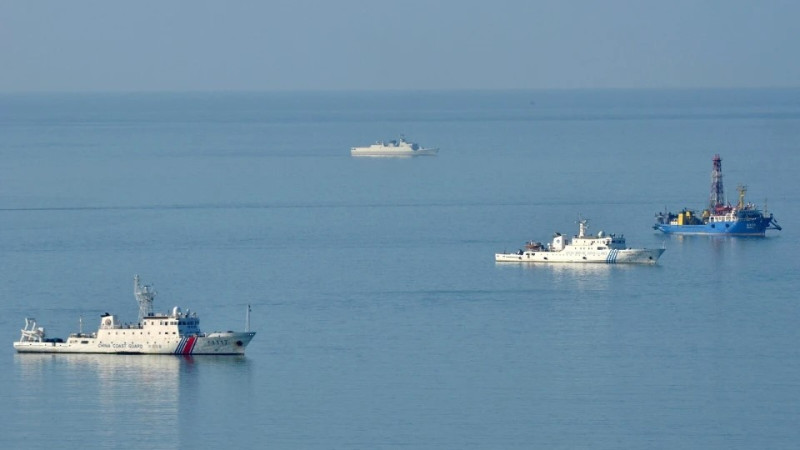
(583,225)
(247,320)
(742,190)
(717,197)
(144,295)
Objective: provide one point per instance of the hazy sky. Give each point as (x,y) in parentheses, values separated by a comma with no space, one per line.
(143,45)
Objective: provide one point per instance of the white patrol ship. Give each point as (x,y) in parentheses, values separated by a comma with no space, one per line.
(174,333)
(393,148)
(583,248)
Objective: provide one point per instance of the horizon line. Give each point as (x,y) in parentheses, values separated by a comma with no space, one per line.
(384,90)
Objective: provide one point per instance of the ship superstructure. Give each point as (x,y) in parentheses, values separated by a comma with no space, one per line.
(742,219)
(176,332)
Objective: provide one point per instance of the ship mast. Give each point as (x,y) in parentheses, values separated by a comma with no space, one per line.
(144,295)
(717,197)
(247,320)
(742,190)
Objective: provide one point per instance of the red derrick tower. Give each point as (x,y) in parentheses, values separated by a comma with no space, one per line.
(717,197)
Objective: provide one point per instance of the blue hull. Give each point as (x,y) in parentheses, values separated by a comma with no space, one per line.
(734,228)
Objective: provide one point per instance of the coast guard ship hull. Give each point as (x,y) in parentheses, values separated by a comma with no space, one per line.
(231,343)
(613,256)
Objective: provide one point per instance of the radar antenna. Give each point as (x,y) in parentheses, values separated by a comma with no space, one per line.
(144,295)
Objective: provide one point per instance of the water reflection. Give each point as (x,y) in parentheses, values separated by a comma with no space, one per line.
(719,243)
(583,277)
(721,251)
(124,393)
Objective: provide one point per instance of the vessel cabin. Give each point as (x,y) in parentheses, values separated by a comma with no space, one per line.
(177,323)
(585,243)
(184,323)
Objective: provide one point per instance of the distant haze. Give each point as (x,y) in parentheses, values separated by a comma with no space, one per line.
(410,44)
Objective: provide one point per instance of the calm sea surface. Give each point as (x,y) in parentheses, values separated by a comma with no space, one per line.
(382,319)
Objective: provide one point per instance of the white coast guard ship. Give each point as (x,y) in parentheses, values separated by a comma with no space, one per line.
(583,248)
(393,148)
(174,333)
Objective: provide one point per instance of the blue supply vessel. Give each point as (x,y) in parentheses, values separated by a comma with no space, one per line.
(743,219)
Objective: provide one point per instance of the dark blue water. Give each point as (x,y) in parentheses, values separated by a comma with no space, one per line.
(382,319)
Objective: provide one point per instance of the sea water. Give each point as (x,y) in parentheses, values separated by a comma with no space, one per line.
(382,319)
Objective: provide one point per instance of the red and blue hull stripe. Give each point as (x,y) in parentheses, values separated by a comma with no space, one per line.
(186,345)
